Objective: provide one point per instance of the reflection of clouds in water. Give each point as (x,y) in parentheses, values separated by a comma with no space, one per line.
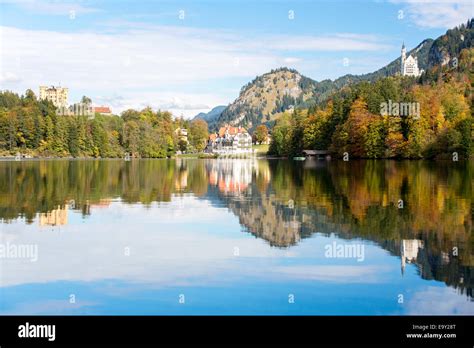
(187,252)
(189,242)
(186,207)
(57,307)
(438,301)
(165,251)
(343,273)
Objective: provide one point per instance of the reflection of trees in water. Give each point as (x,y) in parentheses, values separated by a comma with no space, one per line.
(242,186)
(444,267)
(31,187)
(436,265)
(360,200)
(279,201)
(39,186)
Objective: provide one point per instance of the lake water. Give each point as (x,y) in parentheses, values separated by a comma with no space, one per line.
(236,237)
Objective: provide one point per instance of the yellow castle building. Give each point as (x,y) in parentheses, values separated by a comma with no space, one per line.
(57,95)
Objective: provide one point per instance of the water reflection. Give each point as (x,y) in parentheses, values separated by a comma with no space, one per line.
(421,212)
(409,251)
(55,217)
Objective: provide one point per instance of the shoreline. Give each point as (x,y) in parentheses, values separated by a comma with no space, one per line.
(267,157)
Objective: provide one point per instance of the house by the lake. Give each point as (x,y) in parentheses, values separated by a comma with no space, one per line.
(230,140)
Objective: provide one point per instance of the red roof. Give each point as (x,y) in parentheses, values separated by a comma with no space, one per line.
(102,110)
(231,130)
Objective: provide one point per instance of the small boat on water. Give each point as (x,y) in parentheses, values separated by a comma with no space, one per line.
(299,158)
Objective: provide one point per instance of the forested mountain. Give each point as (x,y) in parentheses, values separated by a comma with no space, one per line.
(267,96)
(439,121)
(429,53)
(448,46)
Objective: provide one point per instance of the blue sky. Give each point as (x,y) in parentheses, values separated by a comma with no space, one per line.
(189,56)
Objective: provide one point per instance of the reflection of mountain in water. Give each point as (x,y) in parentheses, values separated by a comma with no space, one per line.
(273,209)
(236,184)
(281,202)
(275,223)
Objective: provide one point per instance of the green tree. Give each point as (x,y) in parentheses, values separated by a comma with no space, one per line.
(131,137)
(86,100)
(375,139)
(261,133)
(281,137)
(182,145)
(198,134)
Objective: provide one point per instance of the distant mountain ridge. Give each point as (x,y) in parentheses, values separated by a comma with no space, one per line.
(263,99)
(212,115)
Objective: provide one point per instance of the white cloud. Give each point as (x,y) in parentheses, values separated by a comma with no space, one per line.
(291,60)
(329,43)
(8,77)
(58,8)
(439,301)
(178,103)
(160,66)
(444,14)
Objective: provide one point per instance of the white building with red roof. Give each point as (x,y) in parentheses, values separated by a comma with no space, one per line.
(230,140)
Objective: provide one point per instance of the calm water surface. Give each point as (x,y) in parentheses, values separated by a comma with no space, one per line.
(236,237)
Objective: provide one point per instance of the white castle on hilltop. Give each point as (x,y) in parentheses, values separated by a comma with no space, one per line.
(409,66)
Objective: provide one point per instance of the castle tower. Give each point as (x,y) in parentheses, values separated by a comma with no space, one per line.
(409,65)
(409,249)
(403,59)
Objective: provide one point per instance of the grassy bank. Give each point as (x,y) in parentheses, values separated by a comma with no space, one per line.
(261,149)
